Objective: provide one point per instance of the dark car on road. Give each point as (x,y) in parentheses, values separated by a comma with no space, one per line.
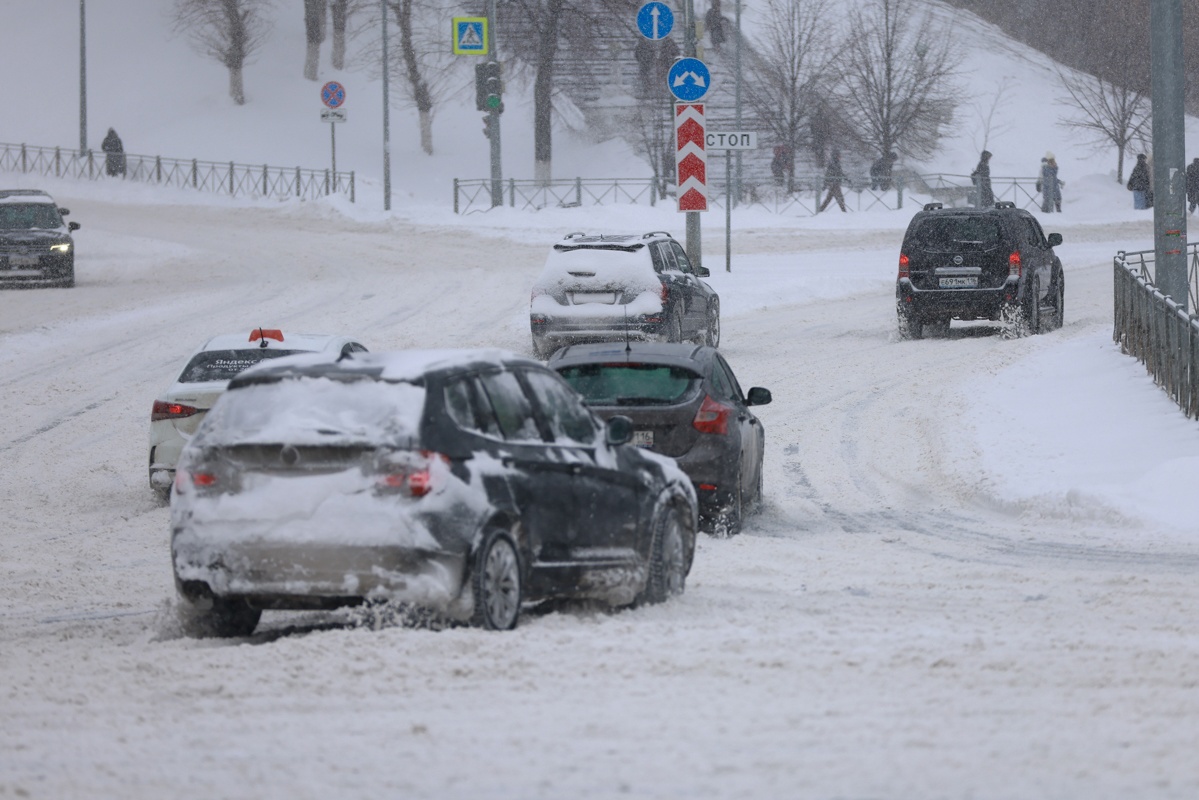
(36,247)
(597,288)
(465,482)
(685,402)
(991,263)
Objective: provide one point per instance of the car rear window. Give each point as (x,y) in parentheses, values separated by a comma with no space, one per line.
(954,234)
(316,411)
(224,365)
(631,384)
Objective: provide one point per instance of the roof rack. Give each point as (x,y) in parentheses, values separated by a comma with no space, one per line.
(655,233)
(574,235)
(933,206)
(1005,204)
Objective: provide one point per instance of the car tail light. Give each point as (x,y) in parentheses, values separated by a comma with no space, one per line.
(1014,266)
(411,474)
(904,270)
(712,417)
(664,293)
(205,481)
(164,410)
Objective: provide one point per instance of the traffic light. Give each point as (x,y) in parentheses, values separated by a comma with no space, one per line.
(489,85)
(487,126)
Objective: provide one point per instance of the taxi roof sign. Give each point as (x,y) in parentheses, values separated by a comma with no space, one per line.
(470,36)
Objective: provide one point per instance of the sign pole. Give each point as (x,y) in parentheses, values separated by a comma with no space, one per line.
(694,243)
(728,210)
(333,147)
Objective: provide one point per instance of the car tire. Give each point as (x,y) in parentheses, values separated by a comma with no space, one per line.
(674,329)
(541,348)
(730,518)
(667,559)
(1032,308)
(219,617)
(910,327)
(1059,301)
(496,583)
(712,334)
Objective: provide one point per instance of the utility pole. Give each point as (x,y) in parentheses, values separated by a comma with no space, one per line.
(737,68)
(694,246)
(82,81)
(1169,155)
(493,112)
(386,118)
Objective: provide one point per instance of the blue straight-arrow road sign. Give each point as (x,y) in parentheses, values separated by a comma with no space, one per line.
(655,20)
(689,79)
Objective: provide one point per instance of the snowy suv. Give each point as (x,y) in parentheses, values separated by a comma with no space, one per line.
(36,248)
(597,288)
(978,263)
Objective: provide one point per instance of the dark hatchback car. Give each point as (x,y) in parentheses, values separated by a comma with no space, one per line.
(597,288)
(36,247)
(465,482)
(979,263)
(685,403)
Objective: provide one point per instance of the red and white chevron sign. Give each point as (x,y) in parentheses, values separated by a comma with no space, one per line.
(690,158)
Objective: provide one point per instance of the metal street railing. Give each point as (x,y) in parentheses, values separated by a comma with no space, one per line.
(798,194)
(1155,329)
(224,177)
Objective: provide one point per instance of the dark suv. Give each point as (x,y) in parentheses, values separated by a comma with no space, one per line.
(36,248)
(598,288)
(979,263)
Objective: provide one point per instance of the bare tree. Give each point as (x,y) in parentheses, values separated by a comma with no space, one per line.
(316,13)
(1106,113)
(990,114)
(651,125)
(339,10)
(419,56)
(793,56)
(230,31)
(897,78)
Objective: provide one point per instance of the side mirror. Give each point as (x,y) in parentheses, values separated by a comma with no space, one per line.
(758,397)
(1055,239)
(702,272)
(619,430)
(73,226)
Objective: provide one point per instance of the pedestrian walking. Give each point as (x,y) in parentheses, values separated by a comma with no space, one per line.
(114,159)
(880,172)
(1050,185)
(981,177)
(782,164)
(834,176)
(1192,186)
(1138,183)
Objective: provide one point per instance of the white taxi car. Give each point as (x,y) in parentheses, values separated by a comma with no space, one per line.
(178,411)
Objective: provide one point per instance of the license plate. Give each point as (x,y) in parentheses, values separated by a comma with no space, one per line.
(643,438)
(23,261)
(607,298)
(967,282)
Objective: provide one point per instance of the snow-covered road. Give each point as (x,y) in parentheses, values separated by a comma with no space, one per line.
(902,621)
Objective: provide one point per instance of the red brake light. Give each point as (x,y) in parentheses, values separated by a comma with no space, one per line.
(712,417)
(1013,264)
(266,333)
(164,410)
(415,479)
(904,272)
(664,294)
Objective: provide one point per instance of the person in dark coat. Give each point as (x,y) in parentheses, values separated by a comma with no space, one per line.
(782,164)
(1050,185)
(114,159)
(880,172)
(834,176)
(1138,183)
(1192,186)
(983,195)
(714,24)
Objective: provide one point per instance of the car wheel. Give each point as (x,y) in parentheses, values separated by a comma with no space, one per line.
(496,583)
(728,521)
(910,327)
(713,333)
(1059,301)
(674,331)
(667,559)
(541,348)
(1032,308)
(222,617)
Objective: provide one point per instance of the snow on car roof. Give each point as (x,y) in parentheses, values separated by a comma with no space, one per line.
(399,365)
(25,196)
(311,342)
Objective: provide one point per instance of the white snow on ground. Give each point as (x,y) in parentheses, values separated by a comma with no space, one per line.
(974,575)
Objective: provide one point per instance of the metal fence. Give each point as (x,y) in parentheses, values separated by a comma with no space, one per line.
(1155,329)
(224,177)
(800,194)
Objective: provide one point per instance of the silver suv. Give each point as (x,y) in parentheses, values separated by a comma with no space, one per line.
(597,288)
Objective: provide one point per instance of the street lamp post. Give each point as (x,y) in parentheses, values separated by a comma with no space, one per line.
(386,118)
(82,81)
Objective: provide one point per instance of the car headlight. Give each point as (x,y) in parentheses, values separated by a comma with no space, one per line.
(65,247)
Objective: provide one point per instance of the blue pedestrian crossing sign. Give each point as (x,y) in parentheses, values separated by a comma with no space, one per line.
(655,20)
(470,36)
(689,79)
